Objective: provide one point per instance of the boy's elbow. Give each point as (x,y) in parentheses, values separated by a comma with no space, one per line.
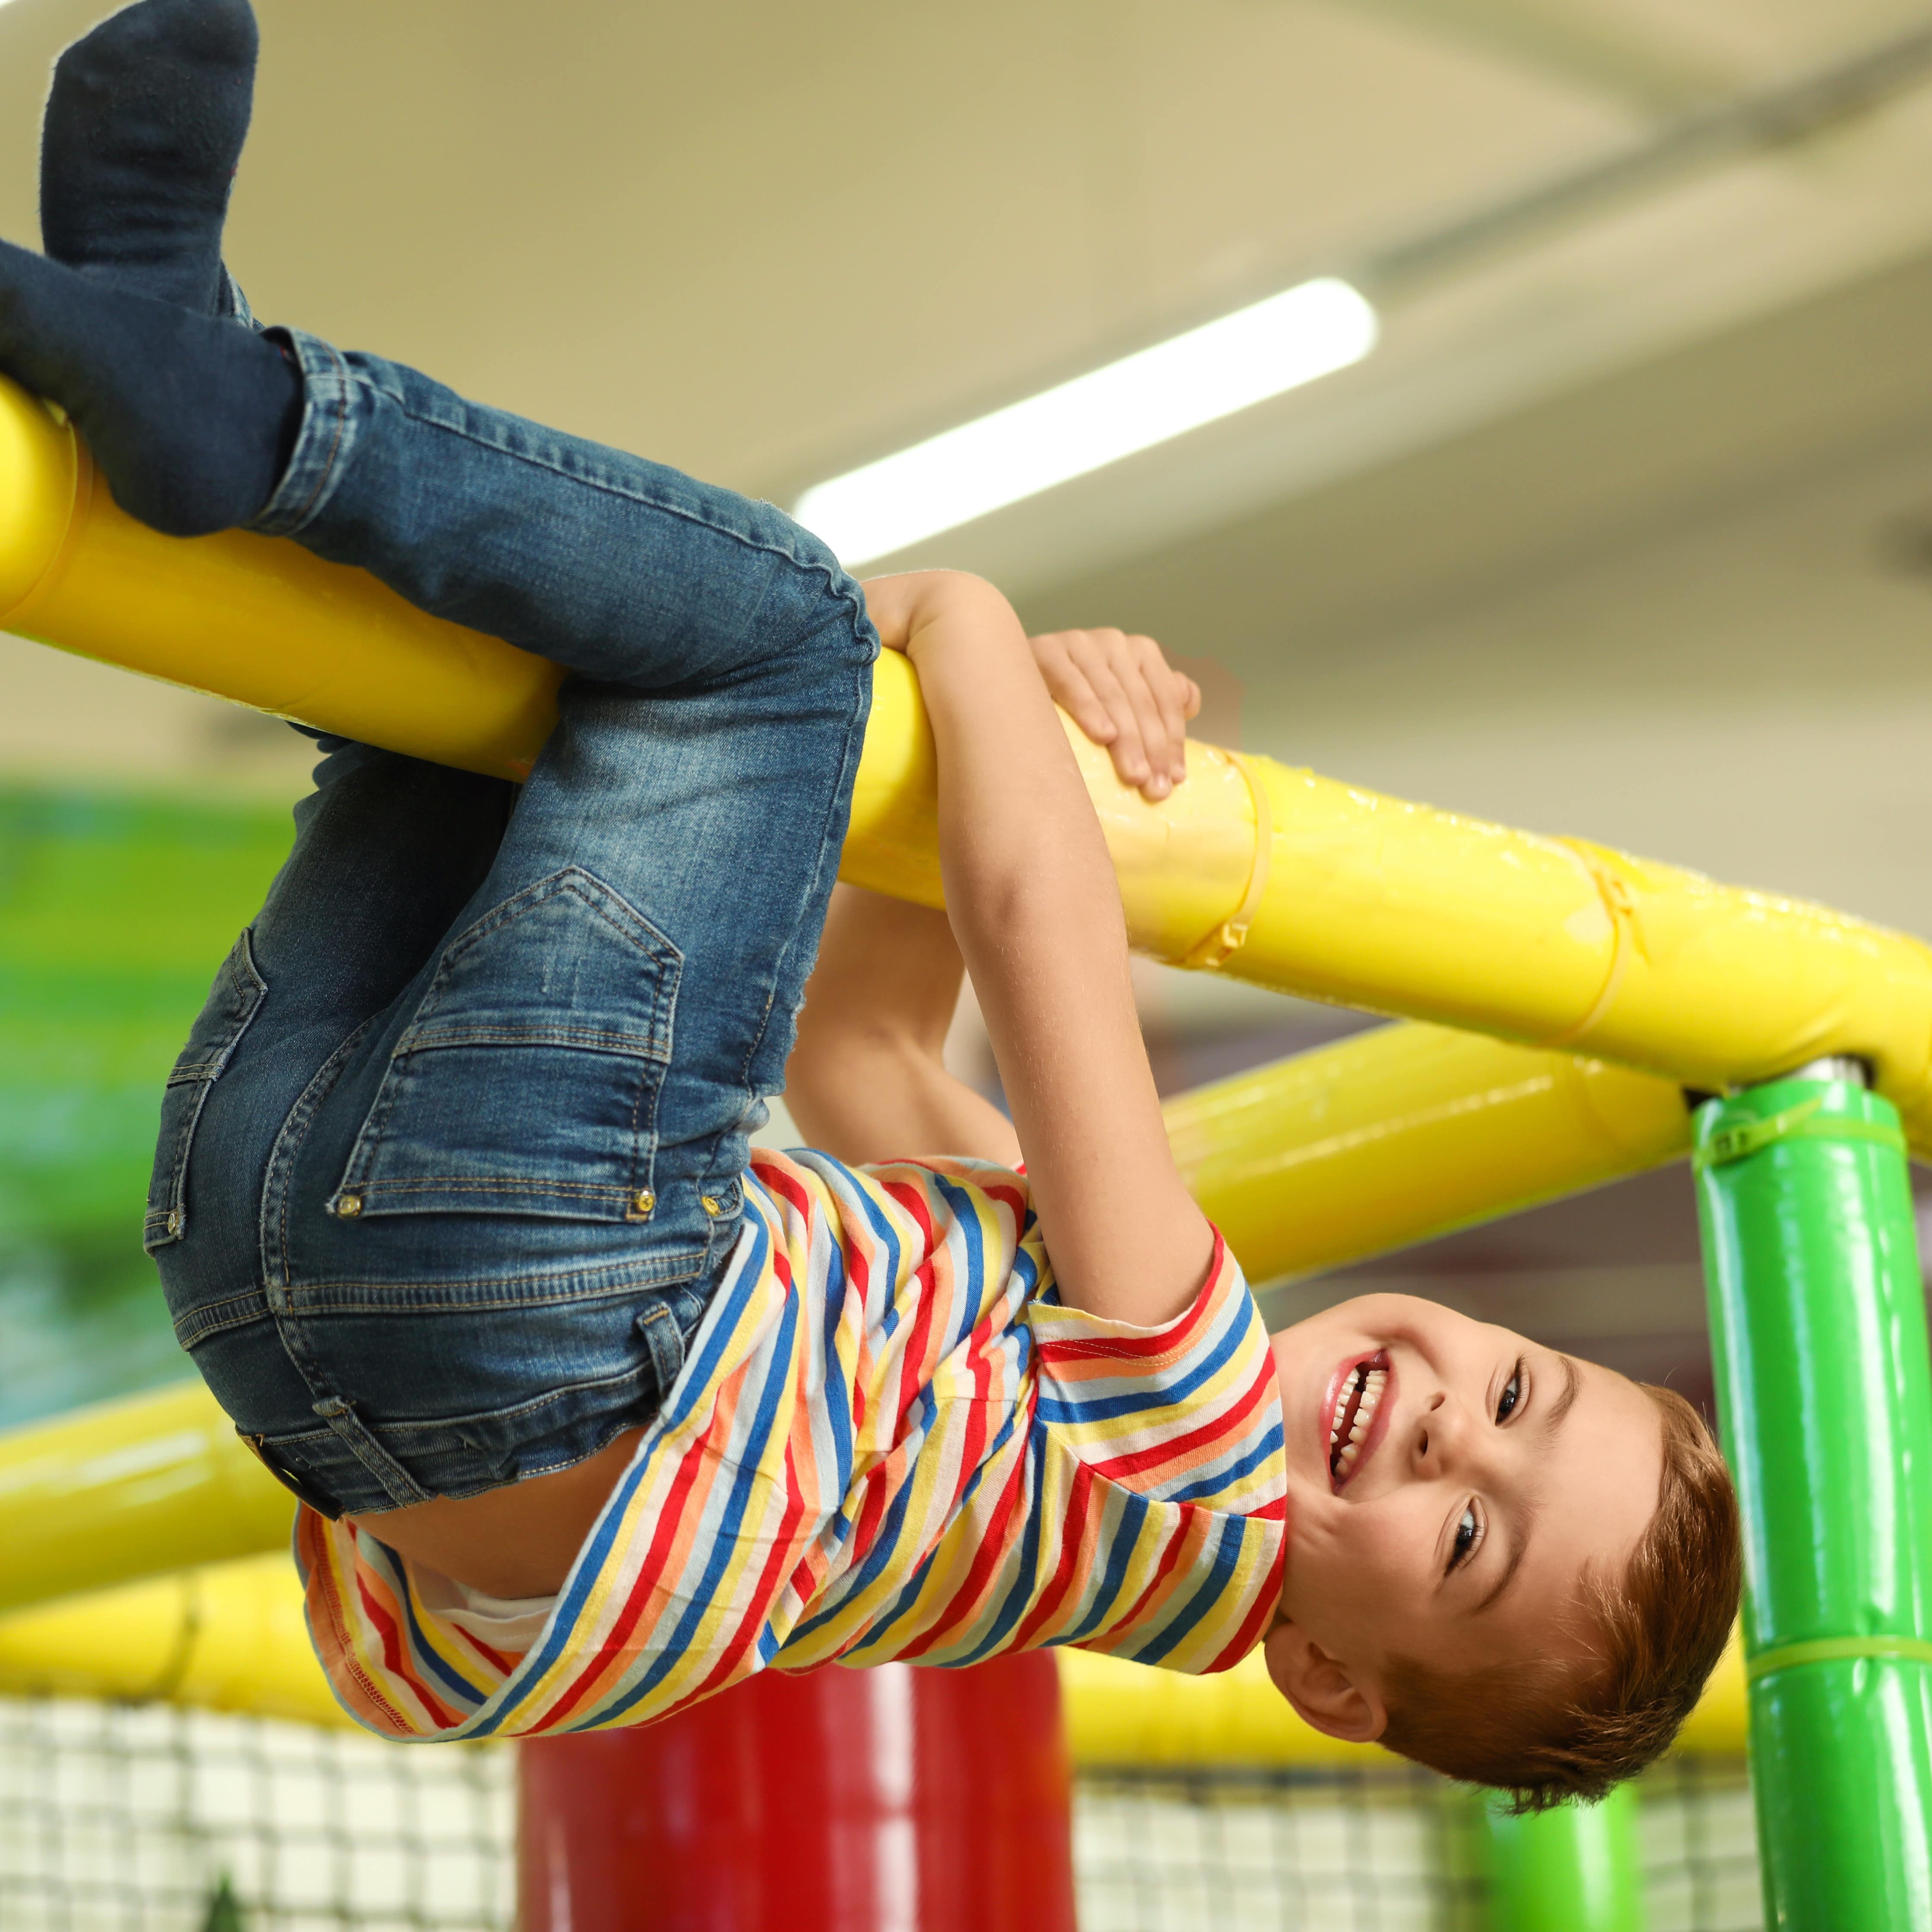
(959,597)
(1000,892)
(937,589)
(835,1057)
(901,604)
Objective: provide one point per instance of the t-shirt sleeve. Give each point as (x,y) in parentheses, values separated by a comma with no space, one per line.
(1186,1412)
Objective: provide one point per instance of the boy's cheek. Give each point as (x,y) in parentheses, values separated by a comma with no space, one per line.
(1347,1572)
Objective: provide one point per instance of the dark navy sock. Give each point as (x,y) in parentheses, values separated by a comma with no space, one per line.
(143,129)
(191,421)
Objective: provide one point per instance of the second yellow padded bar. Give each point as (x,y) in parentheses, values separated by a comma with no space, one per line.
(1403,1133)
(230,1637)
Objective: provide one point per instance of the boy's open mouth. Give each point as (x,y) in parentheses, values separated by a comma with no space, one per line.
(1358,1394)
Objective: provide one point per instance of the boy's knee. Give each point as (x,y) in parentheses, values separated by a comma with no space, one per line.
(817,609)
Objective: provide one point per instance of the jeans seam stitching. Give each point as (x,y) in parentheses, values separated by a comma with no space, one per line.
(341,388)
(253,992)
(516,1412)
(560,882)
(619,1045)
(348,1428)
(848,764)
(499,1184)
(568,880)
(200,1323)
(608,488)
(277,1178)
(310,1289)
(691,1265)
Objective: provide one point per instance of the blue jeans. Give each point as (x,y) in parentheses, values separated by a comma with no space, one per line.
(454,1155)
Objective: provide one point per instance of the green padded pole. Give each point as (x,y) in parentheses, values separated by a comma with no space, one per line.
(1574,1869)
(1818,1332)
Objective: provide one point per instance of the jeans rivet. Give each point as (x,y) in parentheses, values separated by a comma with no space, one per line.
(174,1224)
(644,1200)
(350,1206)
(711,1204)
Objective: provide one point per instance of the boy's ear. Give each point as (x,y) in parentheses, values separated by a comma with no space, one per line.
(1325,1692)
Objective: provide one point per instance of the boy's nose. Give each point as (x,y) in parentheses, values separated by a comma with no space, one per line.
(1441,1431)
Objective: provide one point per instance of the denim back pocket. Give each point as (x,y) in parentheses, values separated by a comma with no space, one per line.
(526,1082)
(232,1002)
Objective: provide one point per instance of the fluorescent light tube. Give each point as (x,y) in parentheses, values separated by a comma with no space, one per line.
(1096,419)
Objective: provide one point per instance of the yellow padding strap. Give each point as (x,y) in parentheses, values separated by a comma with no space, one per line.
(1837,1650)
(1746,1138)
(1622,914)
(1225,940)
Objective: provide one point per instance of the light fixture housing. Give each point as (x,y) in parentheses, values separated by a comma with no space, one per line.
(1223,366)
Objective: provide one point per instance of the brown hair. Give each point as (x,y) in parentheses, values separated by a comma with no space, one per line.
(1532,1729)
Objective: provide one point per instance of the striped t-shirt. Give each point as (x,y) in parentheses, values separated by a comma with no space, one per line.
(889,1440)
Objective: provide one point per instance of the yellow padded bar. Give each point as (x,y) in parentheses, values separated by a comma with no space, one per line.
(229,1637)
(1129,1715)
(131,1489)
(1363,900)
(1403,1133)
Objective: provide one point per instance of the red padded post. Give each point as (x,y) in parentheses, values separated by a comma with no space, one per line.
(888,1800)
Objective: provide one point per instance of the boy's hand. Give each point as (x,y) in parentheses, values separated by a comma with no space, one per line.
(1124,694)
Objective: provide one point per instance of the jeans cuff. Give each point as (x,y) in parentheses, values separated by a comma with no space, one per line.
(324,441)
(231,305)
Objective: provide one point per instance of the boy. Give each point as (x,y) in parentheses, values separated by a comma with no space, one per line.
(593,1413)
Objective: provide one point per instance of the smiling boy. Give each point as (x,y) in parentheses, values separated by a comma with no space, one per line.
(592,1411)
(1523,1573)
(1512,1565)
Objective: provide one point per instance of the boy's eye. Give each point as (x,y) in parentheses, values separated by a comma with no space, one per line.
(1512,1394)
(1469,1534)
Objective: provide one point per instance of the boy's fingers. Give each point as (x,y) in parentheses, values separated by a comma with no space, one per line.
(1071,690)
(1155,776)
(1178,714)
(1170,689)
(1129,748)
(1163,729)
(1122,692)
(1075,692)
(1084,707)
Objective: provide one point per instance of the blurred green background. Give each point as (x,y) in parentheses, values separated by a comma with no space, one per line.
(114,911)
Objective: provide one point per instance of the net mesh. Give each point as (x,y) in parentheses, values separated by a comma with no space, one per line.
(147,1819)
(1393,1850)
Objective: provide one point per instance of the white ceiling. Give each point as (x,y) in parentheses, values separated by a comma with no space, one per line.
(752,239)
(760,240)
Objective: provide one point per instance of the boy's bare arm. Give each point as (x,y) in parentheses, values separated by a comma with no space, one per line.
(1033,902)
(867,1080)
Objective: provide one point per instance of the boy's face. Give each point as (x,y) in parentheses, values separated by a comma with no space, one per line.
(1475,1479)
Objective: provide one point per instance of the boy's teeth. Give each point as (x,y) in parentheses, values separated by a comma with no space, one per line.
(1365,1389)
